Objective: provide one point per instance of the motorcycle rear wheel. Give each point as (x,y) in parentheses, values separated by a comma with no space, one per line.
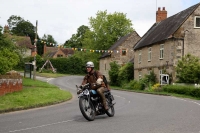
(111,111)
(87,108)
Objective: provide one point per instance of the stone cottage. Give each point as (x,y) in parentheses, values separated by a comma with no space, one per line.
(167,41)
(121,52)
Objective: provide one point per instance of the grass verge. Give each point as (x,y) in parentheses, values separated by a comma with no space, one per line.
(34,94)
(156,93)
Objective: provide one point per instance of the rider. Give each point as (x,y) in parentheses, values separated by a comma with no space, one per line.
(93,80)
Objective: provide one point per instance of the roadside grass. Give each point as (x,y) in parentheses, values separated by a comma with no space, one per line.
(50,75)
(156,93)
(34,94)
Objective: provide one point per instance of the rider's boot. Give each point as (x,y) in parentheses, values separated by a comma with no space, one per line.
(104,104)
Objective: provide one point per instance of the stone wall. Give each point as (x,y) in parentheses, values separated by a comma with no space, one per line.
(10,82)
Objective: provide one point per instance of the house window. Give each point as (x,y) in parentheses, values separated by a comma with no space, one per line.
(123,52)
(197,22)
(59,55)
(149,54)
(140,75)
(161,51)
(140,56)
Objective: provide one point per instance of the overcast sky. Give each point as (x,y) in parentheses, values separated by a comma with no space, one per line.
(61,18)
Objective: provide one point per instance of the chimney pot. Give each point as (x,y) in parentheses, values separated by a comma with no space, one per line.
(163,8)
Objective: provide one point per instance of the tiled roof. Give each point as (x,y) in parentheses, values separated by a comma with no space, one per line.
(164,29)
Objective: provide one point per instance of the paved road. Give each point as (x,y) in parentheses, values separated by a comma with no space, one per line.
(135,113)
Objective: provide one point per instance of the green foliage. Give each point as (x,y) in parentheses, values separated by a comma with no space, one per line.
(113,73)
(8,59)
(24,28)
(34,94)
(125,74)
(14,20)
(39,62)
(184,90)
(106,29)
(188,69)
(77,39)
(88,56)
(71,65)
(49,39)
(149,80)
(8,55)
(133,85)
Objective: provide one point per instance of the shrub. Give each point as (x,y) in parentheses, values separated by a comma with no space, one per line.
(125,74)
(113,73)
(133,85)
(185,90)
(156,87)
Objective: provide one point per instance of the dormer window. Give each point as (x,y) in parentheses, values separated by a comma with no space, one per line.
(197,22)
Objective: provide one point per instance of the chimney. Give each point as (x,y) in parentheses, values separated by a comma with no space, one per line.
(161,15)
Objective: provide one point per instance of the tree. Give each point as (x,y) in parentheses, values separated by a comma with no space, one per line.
(188,69)
(106,29)
(14,20)
(24,28)
(8,55)
(49,39)
(77,39)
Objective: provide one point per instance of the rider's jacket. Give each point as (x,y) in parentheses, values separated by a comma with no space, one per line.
(91,78)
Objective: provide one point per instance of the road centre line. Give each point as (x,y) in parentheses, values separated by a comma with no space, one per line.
(41,126)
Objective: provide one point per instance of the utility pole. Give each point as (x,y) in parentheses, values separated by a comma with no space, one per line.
(35,49)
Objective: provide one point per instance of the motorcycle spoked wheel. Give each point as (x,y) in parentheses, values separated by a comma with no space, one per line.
(111,111)
(87,108)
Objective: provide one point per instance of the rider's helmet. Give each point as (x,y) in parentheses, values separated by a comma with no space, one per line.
(90,64)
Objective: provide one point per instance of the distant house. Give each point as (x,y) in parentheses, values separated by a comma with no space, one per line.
(121,52)
(54,52)
(23,43)
(167,41)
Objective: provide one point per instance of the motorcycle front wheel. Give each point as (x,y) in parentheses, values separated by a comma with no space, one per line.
(87,108)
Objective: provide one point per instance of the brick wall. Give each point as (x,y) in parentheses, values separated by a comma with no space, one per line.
(10,85)
(10,82)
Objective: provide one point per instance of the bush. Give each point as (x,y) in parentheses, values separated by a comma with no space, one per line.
(125,74)
(70,65)
(134,85)
(113,73)
(184,90)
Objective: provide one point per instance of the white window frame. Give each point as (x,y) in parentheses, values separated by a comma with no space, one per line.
(195,21)
(140,56)
(161,51)
(149,54)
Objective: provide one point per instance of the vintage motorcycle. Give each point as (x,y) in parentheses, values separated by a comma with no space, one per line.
(90,102)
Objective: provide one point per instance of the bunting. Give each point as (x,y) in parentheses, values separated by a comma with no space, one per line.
(83,49)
